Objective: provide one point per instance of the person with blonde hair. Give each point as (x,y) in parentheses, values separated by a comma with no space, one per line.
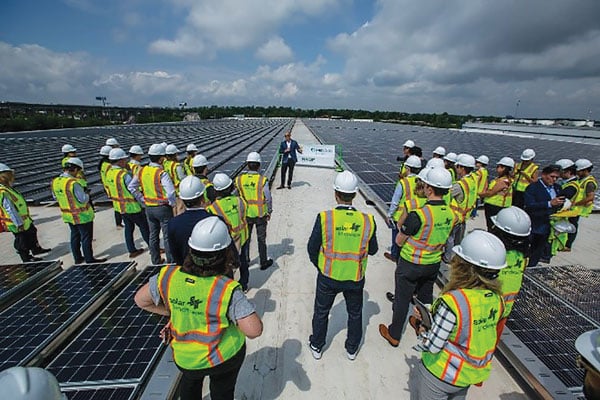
(457,351)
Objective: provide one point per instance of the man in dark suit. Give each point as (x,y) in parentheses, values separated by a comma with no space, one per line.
(288,149)
(542,199)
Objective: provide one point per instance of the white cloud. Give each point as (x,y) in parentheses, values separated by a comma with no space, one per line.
(275,50)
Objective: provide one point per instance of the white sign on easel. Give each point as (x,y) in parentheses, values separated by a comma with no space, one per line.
(317,155)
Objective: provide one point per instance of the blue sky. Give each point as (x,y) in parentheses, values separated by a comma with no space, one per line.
(460,56)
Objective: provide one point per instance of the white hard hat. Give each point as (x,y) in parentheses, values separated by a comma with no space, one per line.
(190,188)
(105,150)
(199,161)
(346,182)
(527,154)
(31,383)
(164,144)
(171,149)
(482,249)
(135,149)
(466,160)
(564,226)
(440,151)
(4,168)
(450,157)
(156,150)
(221,181)
(583,163)
(565,163)
(483,159)
(513,220)
(253,157)
(67,148)
(112,142)
(413,162)
(438,177)
(409,143)
(75,161)
(117,154)
(435,162)
(507,162)
(588,345)
(210,234)
(191,147)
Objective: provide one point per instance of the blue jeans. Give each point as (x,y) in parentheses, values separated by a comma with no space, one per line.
(158,217)
(327,289)
(81,240)
(130,221)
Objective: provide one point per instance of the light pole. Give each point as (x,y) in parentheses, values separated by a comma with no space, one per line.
(517,109)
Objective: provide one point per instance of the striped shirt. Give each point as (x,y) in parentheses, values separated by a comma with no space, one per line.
(435,339)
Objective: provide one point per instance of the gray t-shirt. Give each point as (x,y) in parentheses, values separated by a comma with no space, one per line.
(239,306)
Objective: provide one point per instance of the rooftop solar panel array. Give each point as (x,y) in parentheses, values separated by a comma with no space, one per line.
(28,326)
(119,346)
(224,142)
(16,278)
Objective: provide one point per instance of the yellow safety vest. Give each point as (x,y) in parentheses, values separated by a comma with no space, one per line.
(154,193)
(188,168)
(250,188)
(233,210)
(586,210)
(481,177)
(20,204)
(171,168)
(467,355)
(409,186)
(134,167)
(511,277)
(469,188)
(207,183)
(72,210)
(345,243)
(523,176)
(501,199)
(427,245)
(453,174)
(123,201)
(203,336)
(104,167)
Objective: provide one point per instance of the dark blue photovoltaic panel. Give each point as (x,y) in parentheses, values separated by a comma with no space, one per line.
(102,393)
(33,322)
(16,277)
(121,343)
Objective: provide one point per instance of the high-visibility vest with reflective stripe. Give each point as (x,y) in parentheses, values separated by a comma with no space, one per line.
(154,192)
(72,210)
(20,204)
(134,167)
(586,210)
(453,174)
(233,210)
(453,204)
(345,243)
(409,186)
(250,187)
(203,336)
(501,199)
(171,168)
(403,170)
(188,168)
(123,201)
(467,355)
(427,245)
(414,204)
(207,183)
(523,176)
(104,167)
(481,177)
(469,188)
(511,277)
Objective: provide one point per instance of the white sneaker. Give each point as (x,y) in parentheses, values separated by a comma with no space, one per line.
(316,353)
(351,356)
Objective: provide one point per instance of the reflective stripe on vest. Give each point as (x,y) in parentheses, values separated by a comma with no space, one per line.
(585,210)
(134,167)
(482,179)
(426,246)
(188,168)
(501,199)
(233,210)
(344,245)
(523,176)
(171,168)
(154,193)
(73,211)
(469,187)
(104,167)
(409,186)
(250,187)
(467,355)
(21,208)
(511,277)
(203,336)
(123,201)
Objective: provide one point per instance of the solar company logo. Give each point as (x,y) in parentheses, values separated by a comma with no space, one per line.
(194,302)
(484,323)
(348,229)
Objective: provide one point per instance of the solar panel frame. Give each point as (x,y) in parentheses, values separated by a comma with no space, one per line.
(15,279)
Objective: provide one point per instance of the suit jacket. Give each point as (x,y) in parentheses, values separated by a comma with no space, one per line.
(180,229)
(291,155)
(536,205)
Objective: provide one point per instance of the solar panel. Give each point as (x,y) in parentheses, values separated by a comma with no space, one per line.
(32,323)
(101,393)
(120,345)
(16,278)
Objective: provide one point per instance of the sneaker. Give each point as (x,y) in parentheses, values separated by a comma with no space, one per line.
(97,260)
(390,296)
(136,253)
(316,353)
(40,250)
(280,187)
(266,264)
(351,356)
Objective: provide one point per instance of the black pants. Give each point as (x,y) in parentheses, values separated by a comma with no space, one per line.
(222,379)
(285,167)
(25,242)
(518,199)
(572,236)
(539,247)
(490,211)
(261,237)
